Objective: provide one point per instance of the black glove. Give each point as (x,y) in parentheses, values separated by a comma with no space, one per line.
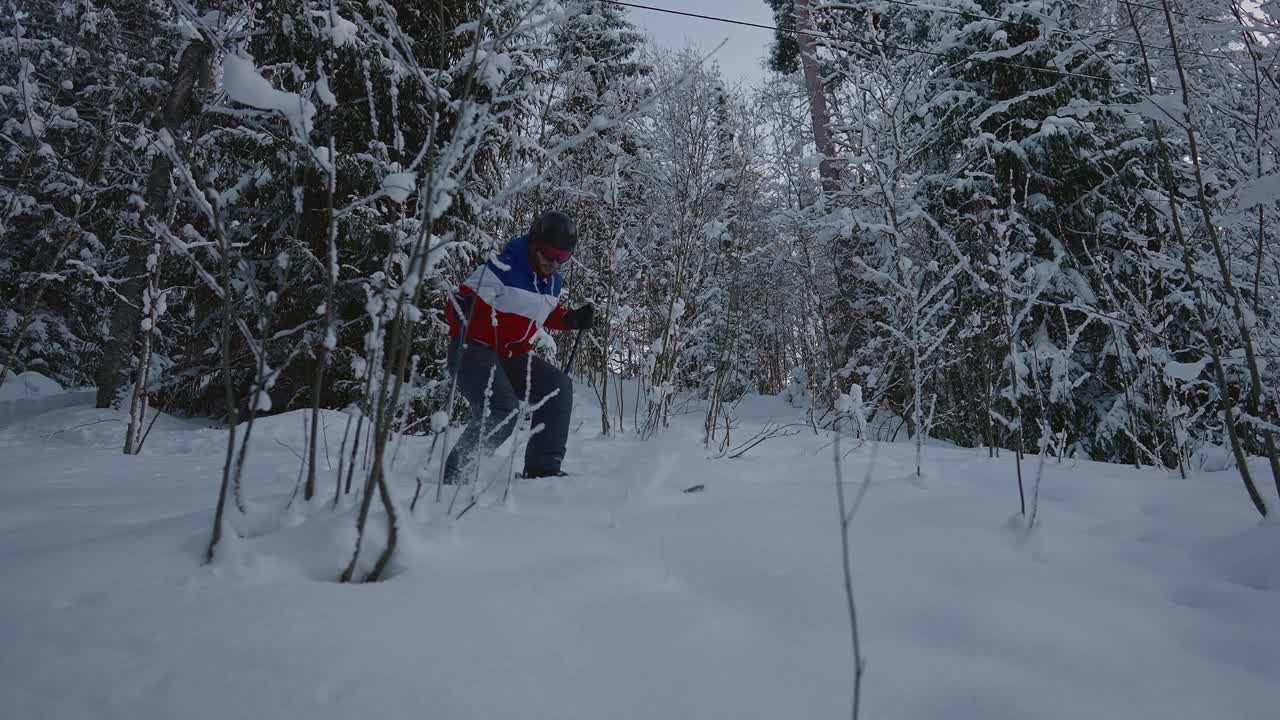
(583,318)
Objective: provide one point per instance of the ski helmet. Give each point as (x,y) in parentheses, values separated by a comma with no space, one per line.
(555,229)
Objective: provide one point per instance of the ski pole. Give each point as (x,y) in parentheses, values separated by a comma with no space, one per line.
(574,352)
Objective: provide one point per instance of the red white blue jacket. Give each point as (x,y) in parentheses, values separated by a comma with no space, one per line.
(504,302)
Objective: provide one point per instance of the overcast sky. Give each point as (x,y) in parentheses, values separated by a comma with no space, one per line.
(740,58)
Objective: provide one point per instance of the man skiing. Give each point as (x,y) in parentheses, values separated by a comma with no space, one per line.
(493,318)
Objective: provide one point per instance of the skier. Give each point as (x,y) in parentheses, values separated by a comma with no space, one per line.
(492,320)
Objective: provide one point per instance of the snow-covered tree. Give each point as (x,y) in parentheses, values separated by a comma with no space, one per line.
(77,85)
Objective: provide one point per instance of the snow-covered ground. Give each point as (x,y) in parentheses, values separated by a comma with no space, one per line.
(612,594)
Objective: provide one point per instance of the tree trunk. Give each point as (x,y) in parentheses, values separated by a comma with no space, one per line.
(182,102)
(818,112)
(228,382)
(327,343)
(138,403)
(1017,402)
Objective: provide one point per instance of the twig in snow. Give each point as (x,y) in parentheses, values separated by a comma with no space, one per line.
(768,432)
(76,427)
(295,452)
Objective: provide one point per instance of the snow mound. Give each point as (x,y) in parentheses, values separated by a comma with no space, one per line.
(1214,458)
(30,394)
(27,385)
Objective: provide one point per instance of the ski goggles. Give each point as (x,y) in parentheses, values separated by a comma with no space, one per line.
(556,255)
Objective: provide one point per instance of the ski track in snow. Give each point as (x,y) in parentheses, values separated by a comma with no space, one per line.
(610,593)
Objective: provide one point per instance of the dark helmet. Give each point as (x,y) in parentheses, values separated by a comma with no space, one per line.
(554,228)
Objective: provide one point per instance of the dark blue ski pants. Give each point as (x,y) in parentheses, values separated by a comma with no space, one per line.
(492,421)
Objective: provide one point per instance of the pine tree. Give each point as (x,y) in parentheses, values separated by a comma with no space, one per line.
(77,84)
(1035,156)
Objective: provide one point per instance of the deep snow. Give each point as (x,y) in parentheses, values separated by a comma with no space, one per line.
(611,594)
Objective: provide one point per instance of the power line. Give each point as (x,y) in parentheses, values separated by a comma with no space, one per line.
(870,43)
(905,3)
(866,43)
(948,11)
(731,21)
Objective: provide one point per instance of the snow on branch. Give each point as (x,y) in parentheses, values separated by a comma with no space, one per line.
(245,85)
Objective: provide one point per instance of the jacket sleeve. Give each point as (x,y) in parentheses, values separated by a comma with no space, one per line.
(555,321)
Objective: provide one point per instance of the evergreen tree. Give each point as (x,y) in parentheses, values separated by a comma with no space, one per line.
(78,82)
(1035,156)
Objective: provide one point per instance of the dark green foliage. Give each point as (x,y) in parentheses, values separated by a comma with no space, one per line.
(784,52)
(378,125)
(1043,183)
(80,82)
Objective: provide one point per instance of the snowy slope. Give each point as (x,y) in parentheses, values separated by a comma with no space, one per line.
(612,594)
